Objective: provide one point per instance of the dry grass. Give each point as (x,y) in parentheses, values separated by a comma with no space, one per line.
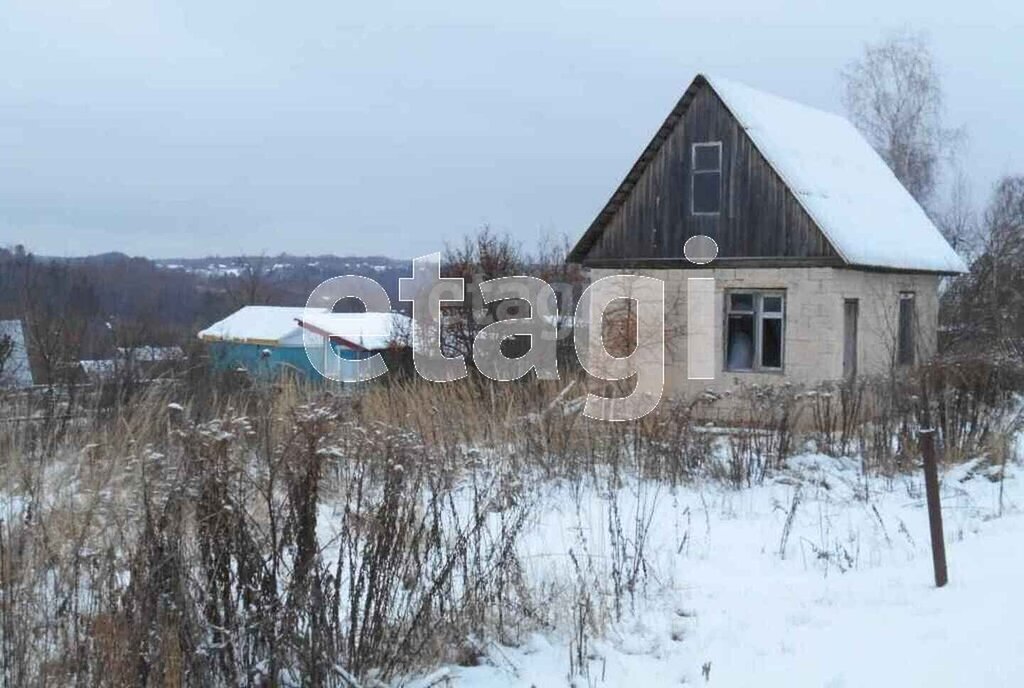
(180,538)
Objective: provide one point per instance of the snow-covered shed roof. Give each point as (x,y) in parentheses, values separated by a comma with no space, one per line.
(17,371)
(151,354)
(846,188)
(365,331)
(98,367)
(263,325)
(131,357)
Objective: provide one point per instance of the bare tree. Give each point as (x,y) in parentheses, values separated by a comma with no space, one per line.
(958,220)
(893,94)
(251,286)
(986,307)
(568,280)
(58,304)
(481,257)
(6,349)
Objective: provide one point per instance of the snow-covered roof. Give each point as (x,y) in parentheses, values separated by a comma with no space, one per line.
(131,358)
(841,181)
(17,372)
(264,325)
(369,331)
(98,367)
(280,326)
(151,354)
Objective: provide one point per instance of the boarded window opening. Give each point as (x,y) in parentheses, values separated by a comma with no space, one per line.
(706,178)
(851,313)
(755,331)
(905,344)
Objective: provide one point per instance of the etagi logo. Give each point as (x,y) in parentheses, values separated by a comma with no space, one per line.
(635,301)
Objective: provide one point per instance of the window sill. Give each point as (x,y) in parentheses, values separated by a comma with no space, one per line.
(761,371)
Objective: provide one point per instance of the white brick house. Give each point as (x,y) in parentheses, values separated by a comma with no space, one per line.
(827,267)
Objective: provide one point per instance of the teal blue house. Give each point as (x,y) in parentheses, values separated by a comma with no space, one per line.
(265,341)
(268,341)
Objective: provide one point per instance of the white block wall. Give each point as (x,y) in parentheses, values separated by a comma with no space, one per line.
(814,320)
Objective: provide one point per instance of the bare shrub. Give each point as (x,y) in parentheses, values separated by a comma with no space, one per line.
(977,401)
(763,429)
(675,447)
(193,552)
(973,402)
(836,414)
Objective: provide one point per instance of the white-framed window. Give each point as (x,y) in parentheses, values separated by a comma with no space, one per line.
(706,178)
(755,330)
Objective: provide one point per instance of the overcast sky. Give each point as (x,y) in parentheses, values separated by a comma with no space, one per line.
(191,127)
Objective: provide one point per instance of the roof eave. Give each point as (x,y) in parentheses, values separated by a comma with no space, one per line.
(943,272)
(335,338)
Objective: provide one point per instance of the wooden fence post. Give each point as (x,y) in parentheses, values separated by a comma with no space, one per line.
(931,489)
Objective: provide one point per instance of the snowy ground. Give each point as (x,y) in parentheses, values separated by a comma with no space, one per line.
(845,600)
(842,597)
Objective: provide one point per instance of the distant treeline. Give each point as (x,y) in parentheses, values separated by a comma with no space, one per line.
(78,308)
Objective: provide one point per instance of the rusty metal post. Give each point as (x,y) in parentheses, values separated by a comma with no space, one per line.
(931,490)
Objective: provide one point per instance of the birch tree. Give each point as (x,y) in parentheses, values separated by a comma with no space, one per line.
(893,95)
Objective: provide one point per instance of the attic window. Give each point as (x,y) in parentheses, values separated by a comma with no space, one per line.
(706,178)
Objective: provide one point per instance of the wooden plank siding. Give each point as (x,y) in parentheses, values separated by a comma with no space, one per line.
(648,219)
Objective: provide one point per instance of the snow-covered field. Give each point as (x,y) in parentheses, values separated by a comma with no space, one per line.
(732,597)
(819,577)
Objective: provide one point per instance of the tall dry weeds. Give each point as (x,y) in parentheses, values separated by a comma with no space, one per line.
(240,533)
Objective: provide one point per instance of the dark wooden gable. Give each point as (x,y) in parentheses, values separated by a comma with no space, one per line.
(648,219)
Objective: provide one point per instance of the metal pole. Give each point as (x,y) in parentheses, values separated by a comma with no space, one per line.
(931,489)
